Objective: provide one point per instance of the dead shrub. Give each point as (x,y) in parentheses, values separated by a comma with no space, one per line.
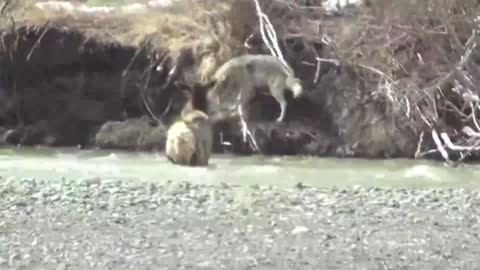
(418,61)
(425,58)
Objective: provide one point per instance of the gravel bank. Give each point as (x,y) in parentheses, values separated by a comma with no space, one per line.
(119,225)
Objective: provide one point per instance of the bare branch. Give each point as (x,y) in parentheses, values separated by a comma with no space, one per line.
(440,147)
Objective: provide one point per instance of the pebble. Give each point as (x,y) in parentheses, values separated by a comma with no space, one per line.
(299,230)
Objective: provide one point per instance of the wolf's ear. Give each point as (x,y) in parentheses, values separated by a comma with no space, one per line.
(206,85)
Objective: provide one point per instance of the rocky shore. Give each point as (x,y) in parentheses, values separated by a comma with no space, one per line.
(94,224)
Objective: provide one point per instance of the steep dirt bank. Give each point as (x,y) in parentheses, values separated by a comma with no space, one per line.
(63,79)
(67,88)
(73,80)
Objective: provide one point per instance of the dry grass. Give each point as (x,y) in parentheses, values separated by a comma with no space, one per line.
(171,28)
(185,24)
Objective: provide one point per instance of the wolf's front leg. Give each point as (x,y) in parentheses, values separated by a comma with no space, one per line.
(283,108)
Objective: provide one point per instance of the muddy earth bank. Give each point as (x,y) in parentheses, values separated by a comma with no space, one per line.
(59,87)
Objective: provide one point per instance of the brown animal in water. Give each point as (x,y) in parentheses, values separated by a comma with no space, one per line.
(240,76)
(180,145)
(190,139)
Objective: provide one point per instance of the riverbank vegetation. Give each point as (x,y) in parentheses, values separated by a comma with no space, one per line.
(383,79)
(424,57)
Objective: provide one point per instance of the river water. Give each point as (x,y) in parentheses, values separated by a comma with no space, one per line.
(55,163)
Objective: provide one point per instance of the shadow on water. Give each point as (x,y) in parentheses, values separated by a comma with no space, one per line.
(51,164)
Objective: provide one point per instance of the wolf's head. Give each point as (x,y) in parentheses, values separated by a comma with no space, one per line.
(295,85)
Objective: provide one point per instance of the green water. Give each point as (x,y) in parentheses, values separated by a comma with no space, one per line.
(53,164)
